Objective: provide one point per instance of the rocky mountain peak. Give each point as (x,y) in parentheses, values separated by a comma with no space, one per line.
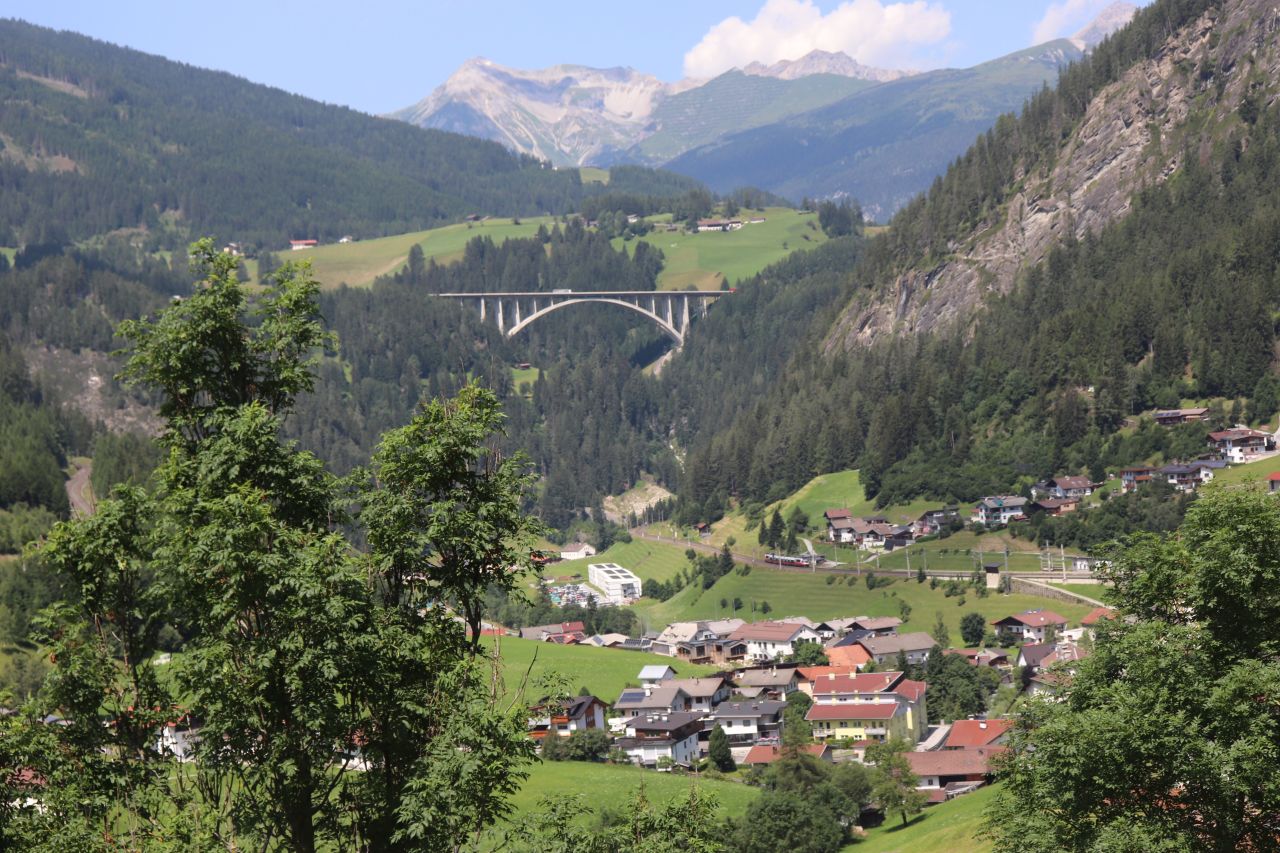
(1107,22)
(823,62)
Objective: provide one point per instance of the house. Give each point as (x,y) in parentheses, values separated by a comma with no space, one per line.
(944,767)
(605,641)
(981,657)
(879,626)
(704,693)
(1031,626)
(557,632)
(179,738)
(719,224)
(563,717)
(971,734)
(839,525)
(773,682)
(915,646)
(701,642)
(1189,476)
(650,738)
(1054,506)
(879,687)
(1239,444)
(773,640)
(999,510)
(652,700)
(1096,615)
(1032,655)
(619,585)
(579,551)
(299,245)
(1132,478)
(853,656)
(1273,481)
(874,721)
(1173,417)
(767,754)
(749,722)
(932,521)
(1070,487)
(654,674)
(346,238)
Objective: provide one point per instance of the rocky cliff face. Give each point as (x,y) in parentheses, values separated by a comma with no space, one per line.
(1134,132)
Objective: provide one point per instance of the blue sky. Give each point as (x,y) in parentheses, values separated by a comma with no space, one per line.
(380,55)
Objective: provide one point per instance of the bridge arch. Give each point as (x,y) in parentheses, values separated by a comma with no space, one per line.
(666,327)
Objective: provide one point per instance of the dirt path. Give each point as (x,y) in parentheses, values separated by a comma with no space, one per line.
(79,492)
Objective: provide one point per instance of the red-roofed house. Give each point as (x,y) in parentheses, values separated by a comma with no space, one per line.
(966,734)
(1096,615)
(1273,481)
(876,721)
(1030,626)
(848,656)
(298,245)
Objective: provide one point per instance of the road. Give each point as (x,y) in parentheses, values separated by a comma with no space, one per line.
(79,491)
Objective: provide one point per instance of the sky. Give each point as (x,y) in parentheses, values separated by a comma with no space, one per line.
(382,55)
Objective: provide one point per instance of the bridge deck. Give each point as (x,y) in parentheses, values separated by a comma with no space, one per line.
(577,294)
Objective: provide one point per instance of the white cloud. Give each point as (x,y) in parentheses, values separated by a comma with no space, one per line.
(1064,18)
(870,31)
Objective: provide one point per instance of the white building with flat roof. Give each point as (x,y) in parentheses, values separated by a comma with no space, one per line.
(618,584)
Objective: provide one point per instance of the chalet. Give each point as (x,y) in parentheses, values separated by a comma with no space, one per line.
(879,626)
(704,693)
(565,716)
(750,722)
(1189,476)
(557,632)
(945,767)
(1132,478)
(1173,417)
(773,682)
(915,646)
(1029,625)
(652,700)
(1070,487)
(1237,445)
(299,245)
(767,754)
(999,510)
(972,734)
(772,640)
(650,738)
(1054,506)
(839,525)
(678,633)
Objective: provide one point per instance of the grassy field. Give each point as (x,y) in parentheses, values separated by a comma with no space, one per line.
(801,594)
(593,175)
(602,671)
(703,261)
(648,560)
(359,263)
(524,375)
(611,786)
(1251,472)
(952,827)
(1096,591)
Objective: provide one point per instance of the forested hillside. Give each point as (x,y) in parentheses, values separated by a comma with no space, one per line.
(95,137)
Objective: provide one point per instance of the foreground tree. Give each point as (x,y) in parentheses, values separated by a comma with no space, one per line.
(719,753)
(307,659)
(893,784)
(1166,737)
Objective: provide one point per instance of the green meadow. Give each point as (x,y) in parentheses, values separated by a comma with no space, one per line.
(951,827)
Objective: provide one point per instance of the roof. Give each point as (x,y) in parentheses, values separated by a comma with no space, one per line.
(954,762)
(1034,653)
(912,690)
(853,711)
(1032,619)
(764,754)
(850,638)
(769,632)
(1274,476)
(724,627)
(757,708)
(678,632)
(697,688)
(1055,503)
(766,677)
(1097,614)
(868,682)
(833,514)
(840,523)
(635,699)
(655,671)
(916,641)
(998,501)
(876,623)
(1072,482)
(662,722)
(1235,434)
(848,655)
(970,733)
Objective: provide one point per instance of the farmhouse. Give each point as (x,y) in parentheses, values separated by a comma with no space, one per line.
(1132,478)
(719,224)
(1237,445)
(1190,476)
(578,551)
(299,245)
(557,632)
(652,737)
(1031,626)
(1070,487)
(1173,417)
(946,767)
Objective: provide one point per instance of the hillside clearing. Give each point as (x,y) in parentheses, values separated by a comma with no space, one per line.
(945,828)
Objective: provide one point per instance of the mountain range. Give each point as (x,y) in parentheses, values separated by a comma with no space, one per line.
(874,134)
